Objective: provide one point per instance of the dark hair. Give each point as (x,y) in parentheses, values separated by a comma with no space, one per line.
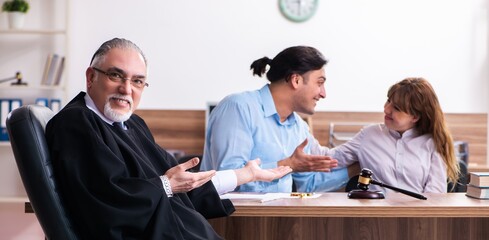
(298,59)
(114,43)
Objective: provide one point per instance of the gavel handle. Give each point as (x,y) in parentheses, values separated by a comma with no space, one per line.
(8,79)
(412,194)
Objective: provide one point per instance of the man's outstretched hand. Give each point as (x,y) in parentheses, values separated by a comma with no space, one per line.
(299,161)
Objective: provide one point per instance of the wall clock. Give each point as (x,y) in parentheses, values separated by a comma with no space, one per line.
(298,10)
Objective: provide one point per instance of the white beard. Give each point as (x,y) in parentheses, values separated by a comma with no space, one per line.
(113,115)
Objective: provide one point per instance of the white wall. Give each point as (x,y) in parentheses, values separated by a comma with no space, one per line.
(200,51)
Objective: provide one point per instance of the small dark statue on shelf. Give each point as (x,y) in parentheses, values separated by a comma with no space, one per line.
(18,77)
(365,179)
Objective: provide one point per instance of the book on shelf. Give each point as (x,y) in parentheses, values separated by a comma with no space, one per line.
(6,106)
(55,105)
(479,179)
(477,192)
(47,67)
(59,71)
(42,101)
(53,70)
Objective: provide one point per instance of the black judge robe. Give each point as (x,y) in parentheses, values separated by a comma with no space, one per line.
(108,179)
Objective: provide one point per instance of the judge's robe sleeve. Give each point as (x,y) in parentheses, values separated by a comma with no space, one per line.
(204,199)
(205,202)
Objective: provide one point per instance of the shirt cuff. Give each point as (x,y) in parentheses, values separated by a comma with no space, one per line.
(166,185)
(225,181)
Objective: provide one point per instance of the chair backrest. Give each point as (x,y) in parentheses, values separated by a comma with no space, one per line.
(341,132)
(463,179)
(26,127)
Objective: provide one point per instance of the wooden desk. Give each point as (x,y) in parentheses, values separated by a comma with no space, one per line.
(334,216)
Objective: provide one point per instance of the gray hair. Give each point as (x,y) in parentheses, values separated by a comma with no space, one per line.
(120,43)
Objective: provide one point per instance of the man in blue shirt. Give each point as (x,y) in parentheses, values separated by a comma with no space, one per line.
(264,124)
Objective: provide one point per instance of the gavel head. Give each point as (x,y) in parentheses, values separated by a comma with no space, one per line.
(364,179)
(18,76)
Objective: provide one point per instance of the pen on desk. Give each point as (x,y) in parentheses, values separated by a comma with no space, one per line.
(269,199)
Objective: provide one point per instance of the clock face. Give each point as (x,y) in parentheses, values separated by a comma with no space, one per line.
(298,10)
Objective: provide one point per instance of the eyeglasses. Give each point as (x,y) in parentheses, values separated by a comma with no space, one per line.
(138,82)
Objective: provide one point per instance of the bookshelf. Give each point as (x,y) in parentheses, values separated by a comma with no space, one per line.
(45,32)
(33,31)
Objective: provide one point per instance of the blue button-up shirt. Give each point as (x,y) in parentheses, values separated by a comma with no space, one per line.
(246,126)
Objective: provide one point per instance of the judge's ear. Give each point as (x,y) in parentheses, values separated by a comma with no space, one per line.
(90,76)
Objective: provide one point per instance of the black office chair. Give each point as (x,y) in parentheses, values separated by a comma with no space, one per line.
(352,184)
(26,127)
(463,179)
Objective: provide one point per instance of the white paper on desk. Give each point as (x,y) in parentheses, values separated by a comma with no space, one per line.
(258,196)
(263,197)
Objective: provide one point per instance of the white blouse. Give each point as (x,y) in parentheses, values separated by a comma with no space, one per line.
(408,161)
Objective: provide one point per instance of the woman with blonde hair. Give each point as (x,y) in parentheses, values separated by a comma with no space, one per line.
(413,148)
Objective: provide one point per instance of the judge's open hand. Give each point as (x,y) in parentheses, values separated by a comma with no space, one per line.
(183,181)
(299,161)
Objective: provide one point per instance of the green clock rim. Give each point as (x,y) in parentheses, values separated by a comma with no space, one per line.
(295,18)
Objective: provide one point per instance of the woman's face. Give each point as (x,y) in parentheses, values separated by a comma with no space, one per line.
(397,120)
